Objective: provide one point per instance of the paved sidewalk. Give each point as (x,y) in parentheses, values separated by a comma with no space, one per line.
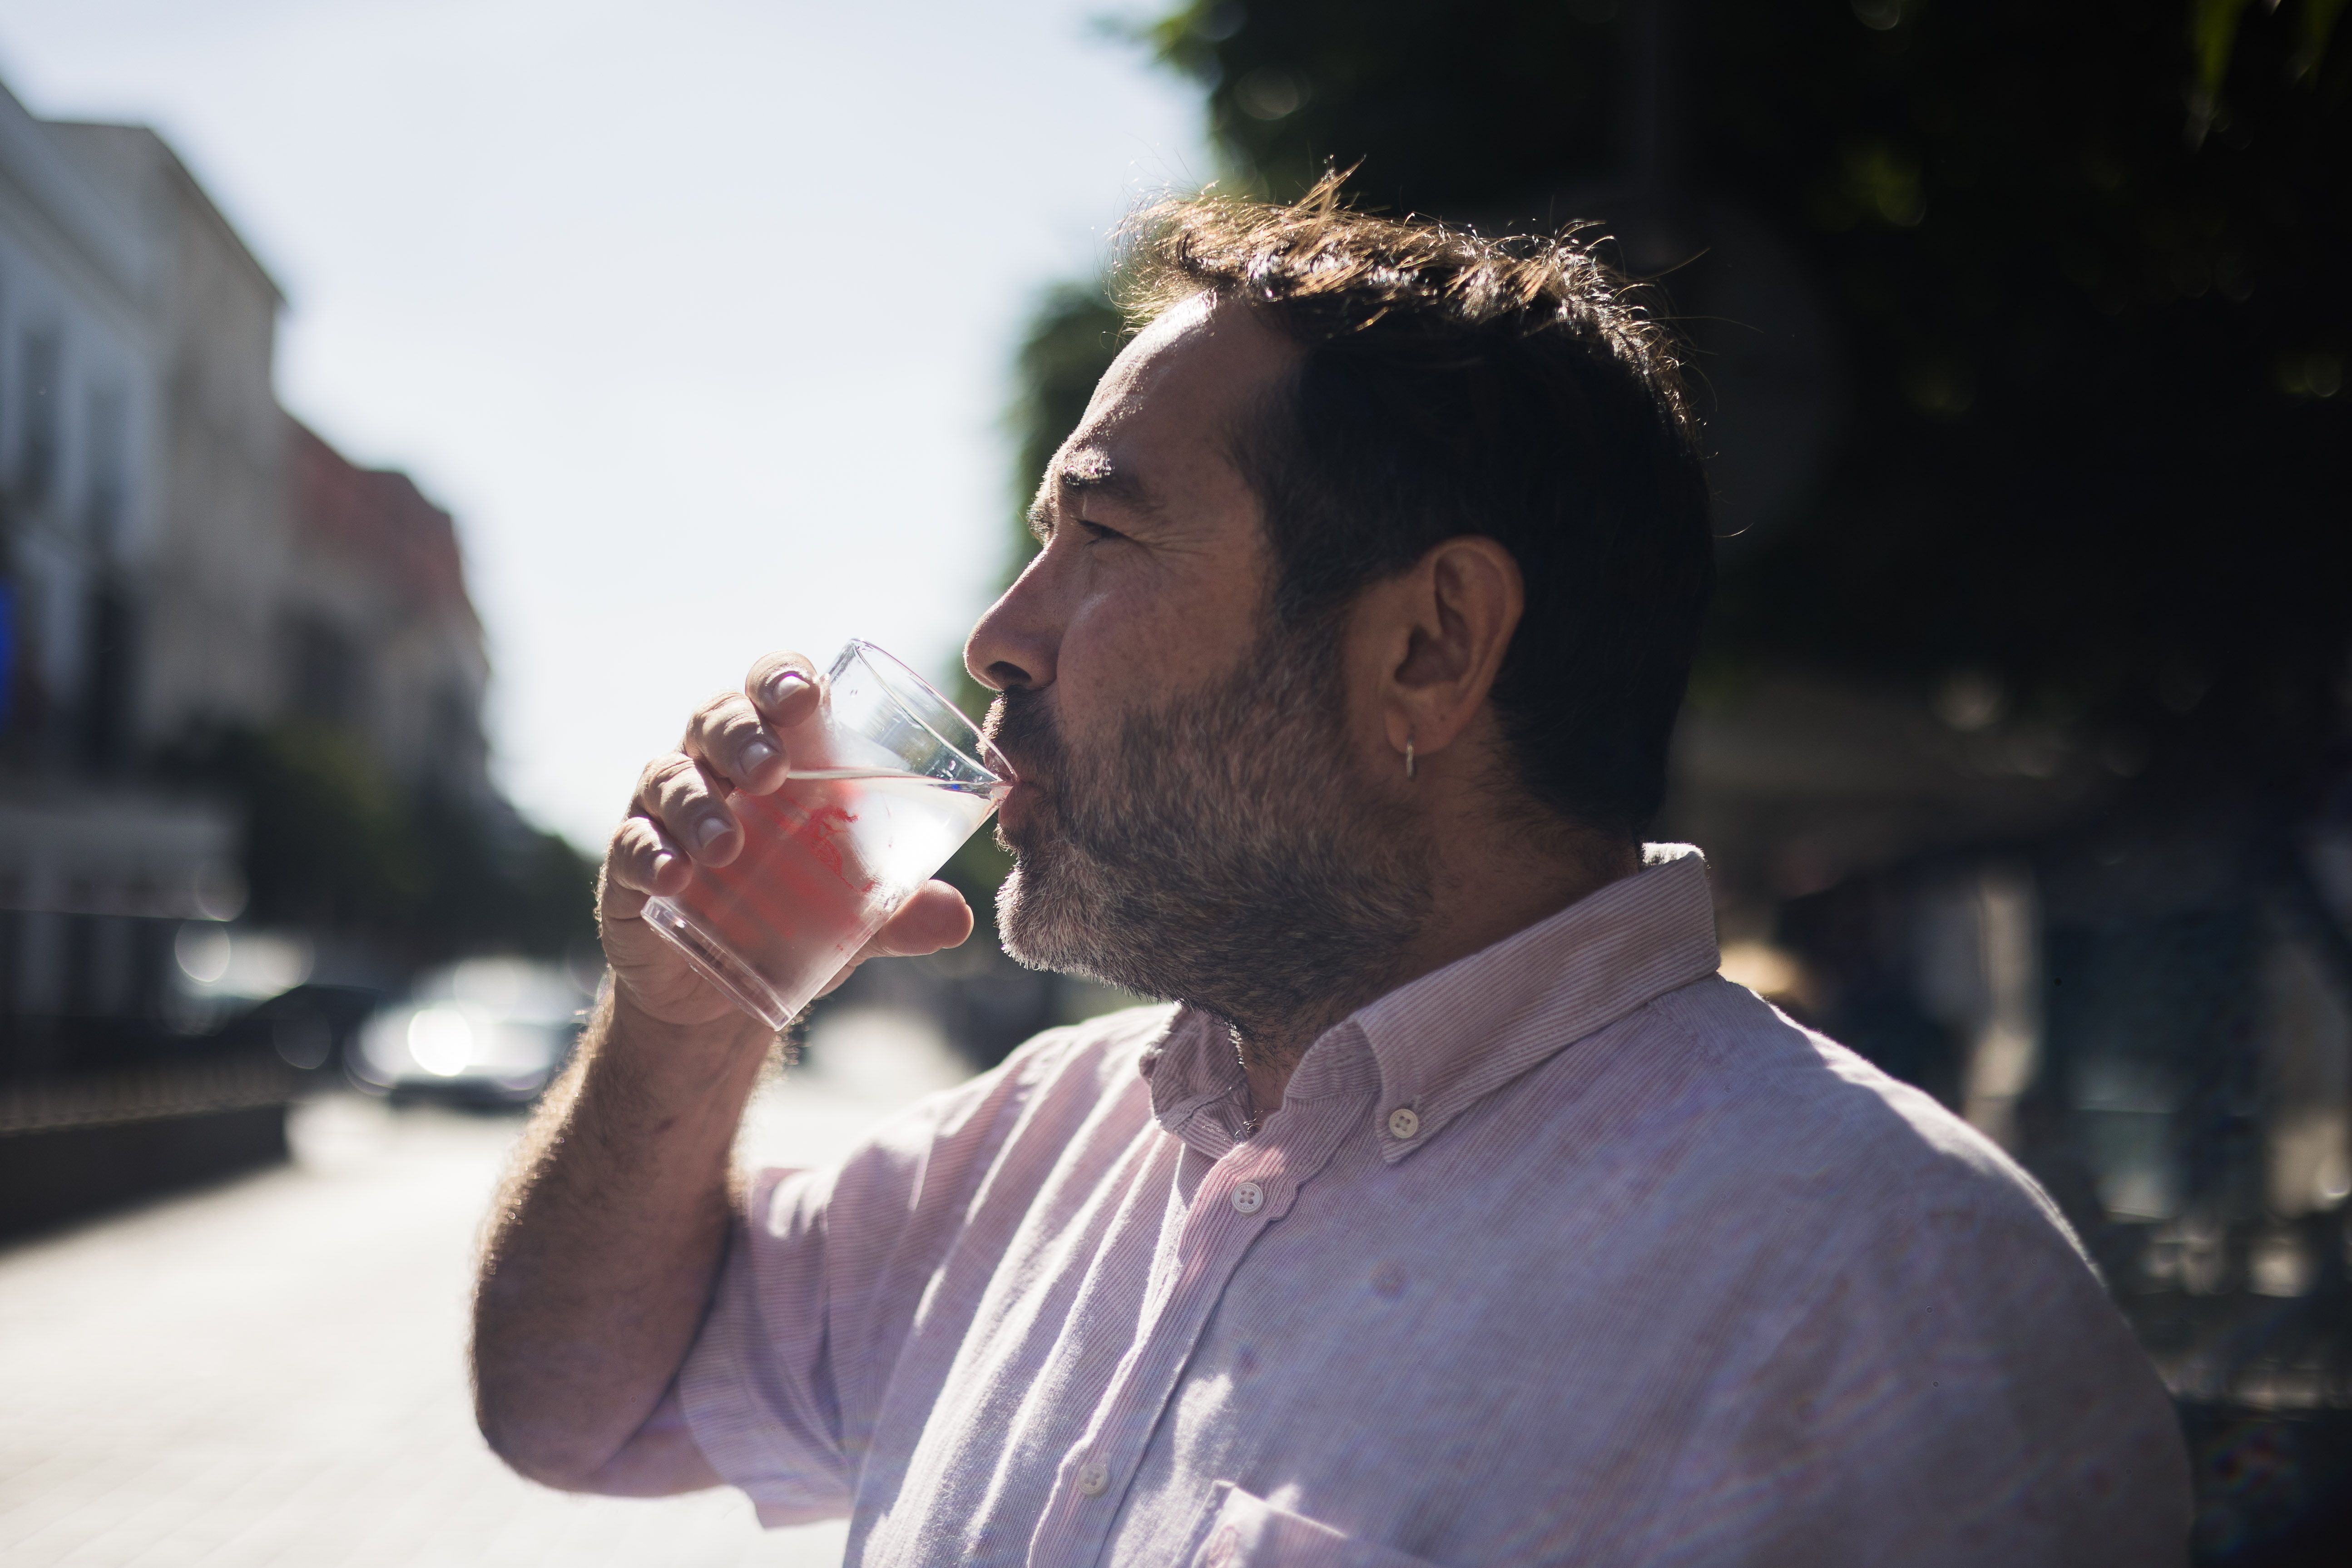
(270,1372)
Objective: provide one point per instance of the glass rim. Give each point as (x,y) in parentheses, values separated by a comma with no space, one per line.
(896,674)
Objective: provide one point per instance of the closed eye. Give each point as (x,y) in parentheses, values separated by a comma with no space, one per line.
(1097,534)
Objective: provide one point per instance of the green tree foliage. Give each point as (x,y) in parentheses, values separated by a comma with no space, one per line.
(2083,264)
(331,844)
(493,884)
(1443,108)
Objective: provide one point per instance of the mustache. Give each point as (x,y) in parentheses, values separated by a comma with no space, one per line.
(1022,724)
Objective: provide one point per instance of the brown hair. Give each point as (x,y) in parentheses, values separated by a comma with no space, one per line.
(1452,383)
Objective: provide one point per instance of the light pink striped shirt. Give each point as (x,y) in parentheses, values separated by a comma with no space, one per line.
(1571,1252)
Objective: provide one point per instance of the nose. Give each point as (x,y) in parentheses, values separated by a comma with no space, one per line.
(1013,644)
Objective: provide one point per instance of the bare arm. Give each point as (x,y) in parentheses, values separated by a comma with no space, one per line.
(604,1248)
(608,1235)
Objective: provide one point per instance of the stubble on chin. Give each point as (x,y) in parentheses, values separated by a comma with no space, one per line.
(1052,913)
(1218,849)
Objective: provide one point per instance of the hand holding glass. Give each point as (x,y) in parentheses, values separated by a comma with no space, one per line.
(885,781)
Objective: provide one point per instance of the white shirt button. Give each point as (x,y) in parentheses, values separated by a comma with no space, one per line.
(1094,1479)
(1248,1198)
(1404,1126)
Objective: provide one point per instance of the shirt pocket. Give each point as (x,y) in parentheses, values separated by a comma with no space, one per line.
(1245,1531)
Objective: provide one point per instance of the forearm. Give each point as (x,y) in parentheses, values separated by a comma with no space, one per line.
(607,1239)
(605,1246)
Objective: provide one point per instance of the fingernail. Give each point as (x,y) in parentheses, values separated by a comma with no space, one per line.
(708,831)
(663,861)
(779,685)
(757,754)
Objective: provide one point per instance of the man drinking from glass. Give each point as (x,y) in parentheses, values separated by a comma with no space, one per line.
(1456,1210)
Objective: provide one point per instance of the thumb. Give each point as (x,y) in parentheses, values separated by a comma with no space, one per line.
(934,918)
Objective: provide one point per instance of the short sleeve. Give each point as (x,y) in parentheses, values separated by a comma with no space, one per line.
(1957,1391)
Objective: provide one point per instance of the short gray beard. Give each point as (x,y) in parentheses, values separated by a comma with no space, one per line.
(1223,849)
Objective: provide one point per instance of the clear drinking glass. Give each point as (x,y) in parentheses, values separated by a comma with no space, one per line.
(885,781)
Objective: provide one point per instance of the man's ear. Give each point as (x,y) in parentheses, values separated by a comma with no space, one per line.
(1440,630)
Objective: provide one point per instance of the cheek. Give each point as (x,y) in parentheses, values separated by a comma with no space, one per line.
(1175,627)
(1111,661)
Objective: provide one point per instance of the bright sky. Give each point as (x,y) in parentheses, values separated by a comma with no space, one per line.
(699,315)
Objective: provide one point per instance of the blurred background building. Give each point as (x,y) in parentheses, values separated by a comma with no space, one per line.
(241,749)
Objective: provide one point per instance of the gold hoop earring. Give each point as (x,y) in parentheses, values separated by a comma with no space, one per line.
(1408,757)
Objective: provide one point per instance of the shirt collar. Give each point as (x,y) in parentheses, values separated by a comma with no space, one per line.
(1438,1045)
(1196,1082)
(1454,1035)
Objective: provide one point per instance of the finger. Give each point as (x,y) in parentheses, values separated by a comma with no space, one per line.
(615,902)
(644,860)
(689,802)
(934,918)
(783,688)
(726,737)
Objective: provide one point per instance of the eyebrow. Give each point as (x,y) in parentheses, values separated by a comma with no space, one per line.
(1088,474)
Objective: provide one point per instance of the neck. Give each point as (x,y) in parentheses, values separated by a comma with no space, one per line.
(1495,877)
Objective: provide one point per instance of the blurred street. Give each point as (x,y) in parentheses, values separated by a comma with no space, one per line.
(271,1371)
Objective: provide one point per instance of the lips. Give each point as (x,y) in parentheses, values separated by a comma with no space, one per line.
(1015,814)
(1022,727)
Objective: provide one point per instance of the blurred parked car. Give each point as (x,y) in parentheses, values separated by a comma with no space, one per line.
(314,1028)
(487,1031)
